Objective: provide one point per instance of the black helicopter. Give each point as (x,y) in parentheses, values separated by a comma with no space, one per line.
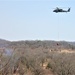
(60,10)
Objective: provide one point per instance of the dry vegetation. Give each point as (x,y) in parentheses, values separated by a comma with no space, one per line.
(37,58)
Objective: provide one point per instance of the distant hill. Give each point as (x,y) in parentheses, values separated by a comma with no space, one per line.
(4,43)
(47,44)
(72,43)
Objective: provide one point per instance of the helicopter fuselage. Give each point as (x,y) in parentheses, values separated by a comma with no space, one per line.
(61,10)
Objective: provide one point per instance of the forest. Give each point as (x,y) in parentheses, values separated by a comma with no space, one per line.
(36,57)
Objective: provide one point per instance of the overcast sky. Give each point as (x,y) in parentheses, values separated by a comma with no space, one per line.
(35,20)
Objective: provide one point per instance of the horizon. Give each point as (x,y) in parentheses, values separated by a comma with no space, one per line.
(36,40)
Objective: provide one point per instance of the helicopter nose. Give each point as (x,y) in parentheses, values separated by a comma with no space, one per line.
(53,10)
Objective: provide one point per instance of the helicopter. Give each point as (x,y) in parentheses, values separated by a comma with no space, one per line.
(57,10)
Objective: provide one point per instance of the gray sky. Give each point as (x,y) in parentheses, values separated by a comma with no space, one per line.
(34,20)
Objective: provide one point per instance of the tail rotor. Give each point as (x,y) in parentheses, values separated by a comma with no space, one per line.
(69,10)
